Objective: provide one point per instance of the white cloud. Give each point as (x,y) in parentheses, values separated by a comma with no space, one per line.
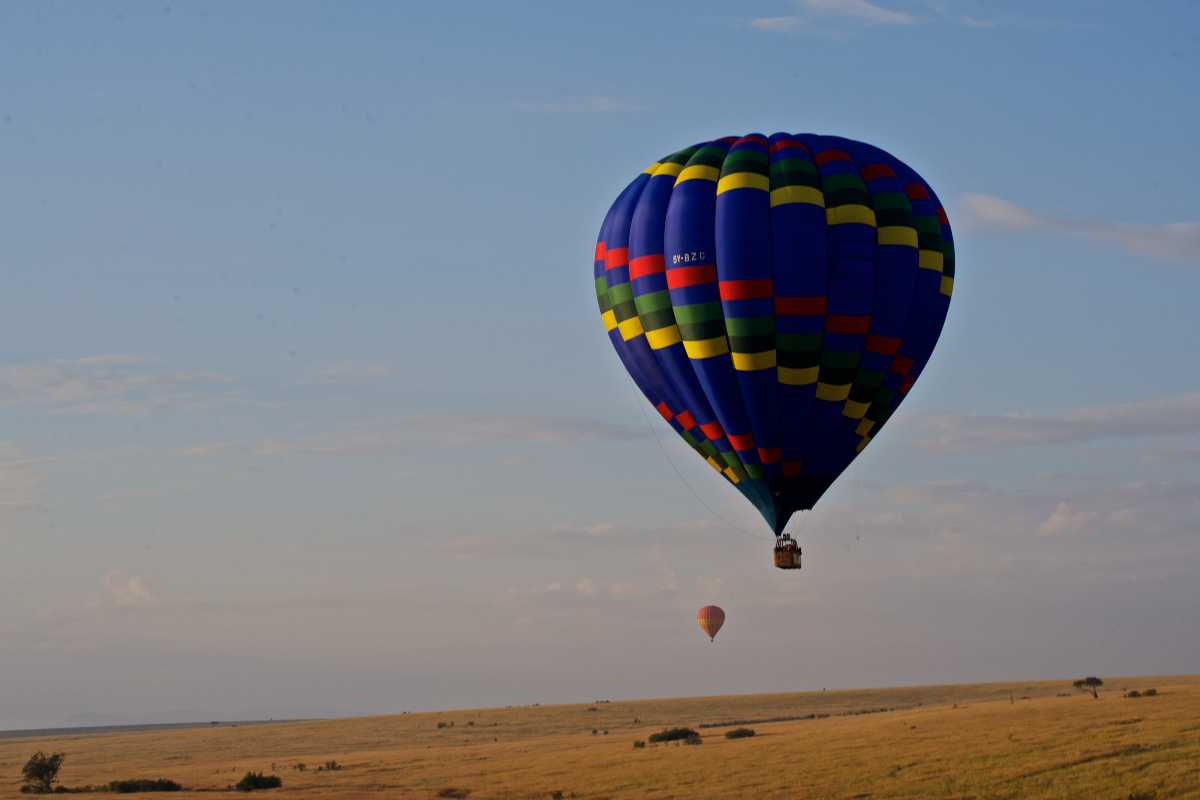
(960,433)
(512,595)
(587,586)
(131,592)
(586,105)
(214,449)
(1064,521)
(99,385)
(857,11)
(379,437)
(1179,241)
(776,24)
(554,587)
(623,589)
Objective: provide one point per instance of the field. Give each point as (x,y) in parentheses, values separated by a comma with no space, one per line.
(1010,740)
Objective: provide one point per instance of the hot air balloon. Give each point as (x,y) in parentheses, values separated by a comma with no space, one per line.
(775,298)
(711,618)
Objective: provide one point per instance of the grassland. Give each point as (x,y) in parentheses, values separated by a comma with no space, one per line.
(998,740)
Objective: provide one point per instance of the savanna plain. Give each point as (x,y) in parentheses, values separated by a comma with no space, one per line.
(1027,740)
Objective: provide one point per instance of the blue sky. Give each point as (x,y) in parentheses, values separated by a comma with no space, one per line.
(305,400)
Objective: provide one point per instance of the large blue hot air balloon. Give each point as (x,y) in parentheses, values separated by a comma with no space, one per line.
(774,299)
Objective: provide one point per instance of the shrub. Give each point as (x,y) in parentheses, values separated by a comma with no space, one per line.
(300,767)
(332,765)
(143,785)
(441,725)
(739,733)
(673,734)
(1134,693)
(256,780)
(638,744)
(1150,692)
(693,739)
(452,792)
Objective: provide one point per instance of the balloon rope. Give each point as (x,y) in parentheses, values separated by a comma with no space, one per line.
(677,472)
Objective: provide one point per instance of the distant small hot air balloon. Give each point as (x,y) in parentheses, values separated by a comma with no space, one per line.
(711,618)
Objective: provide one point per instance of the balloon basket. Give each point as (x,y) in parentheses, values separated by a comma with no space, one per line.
(787,553)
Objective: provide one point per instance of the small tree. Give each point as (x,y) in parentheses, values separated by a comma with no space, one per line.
(41,771)
(1088,684)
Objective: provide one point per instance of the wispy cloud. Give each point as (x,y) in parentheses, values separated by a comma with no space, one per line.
(960,433)
(128,592)
(346,373)
(235,469)
(859,12)
(113,384)
(586,105)
(1064,520)
(777,24)
(380,437)
(1162,455)
(214,449)
(21,493)
(1179,241)
(143,492)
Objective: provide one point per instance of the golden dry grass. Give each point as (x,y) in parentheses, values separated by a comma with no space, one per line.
(964,741)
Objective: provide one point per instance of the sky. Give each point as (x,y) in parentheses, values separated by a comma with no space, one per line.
(305,402)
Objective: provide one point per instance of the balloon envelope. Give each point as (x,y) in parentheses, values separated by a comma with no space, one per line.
(711,618)
(775,298)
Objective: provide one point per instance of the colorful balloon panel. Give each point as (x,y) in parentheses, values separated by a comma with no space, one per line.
(711,618)
(775,298)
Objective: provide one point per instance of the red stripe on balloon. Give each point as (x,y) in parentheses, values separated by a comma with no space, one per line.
(786,143)
(770,455)
(791,468)
(826,156)
(799,306)
(713,430)
(873,171)
(747,289)
(691,276)
(901,365)
(646,265)
(743,442)
(916,191)
(617,257)
(884,345)
(837,323)
(686,420)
